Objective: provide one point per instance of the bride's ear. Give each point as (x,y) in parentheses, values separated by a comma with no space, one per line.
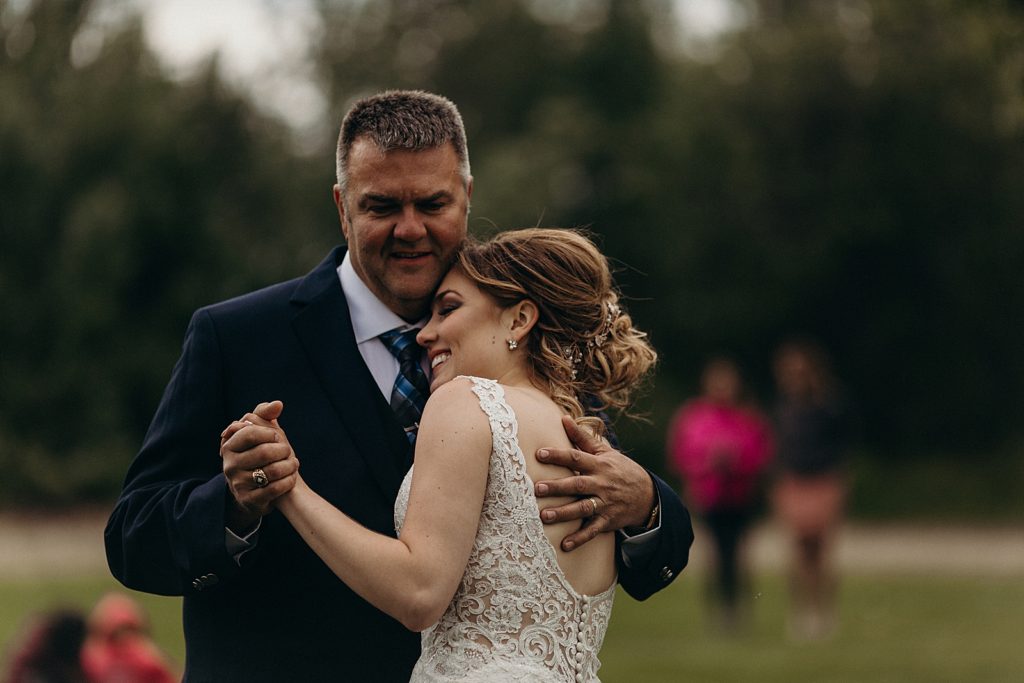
(521,317)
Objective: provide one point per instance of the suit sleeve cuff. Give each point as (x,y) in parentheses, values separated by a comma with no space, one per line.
(237,546)
(637,547)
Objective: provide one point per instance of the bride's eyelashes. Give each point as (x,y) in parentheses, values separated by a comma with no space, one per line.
(447,307)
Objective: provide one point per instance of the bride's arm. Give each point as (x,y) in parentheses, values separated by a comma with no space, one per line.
(412,578)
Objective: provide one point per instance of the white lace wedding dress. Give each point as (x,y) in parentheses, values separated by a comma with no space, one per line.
(514,617)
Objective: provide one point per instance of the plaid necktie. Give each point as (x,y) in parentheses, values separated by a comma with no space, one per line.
(409,394)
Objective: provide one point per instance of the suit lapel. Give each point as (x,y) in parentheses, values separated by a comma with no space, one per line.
(324,329)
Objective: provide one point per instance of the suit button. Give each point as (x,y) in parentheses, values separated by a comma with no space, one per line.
(666,574)
(205,581)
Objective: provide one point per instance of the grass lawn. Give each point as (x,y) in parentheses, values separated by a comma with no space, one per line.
(901,629)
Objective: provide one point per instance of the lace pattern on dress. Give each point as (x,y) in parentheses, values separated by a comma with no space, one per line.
(514,616)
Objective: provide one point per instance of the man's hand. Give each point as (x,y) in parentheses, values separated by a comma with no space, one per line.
(256,442)
(621,490)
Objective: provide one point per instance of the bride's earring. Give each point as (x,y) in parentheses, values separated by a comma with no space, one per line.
(512,344)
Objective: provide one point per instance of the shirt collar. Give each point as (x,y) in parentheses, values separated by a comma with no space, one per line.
(370,317)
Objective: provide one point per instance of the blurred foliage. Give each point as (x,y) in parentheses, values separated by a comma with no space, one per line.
(850,170)
(127,200)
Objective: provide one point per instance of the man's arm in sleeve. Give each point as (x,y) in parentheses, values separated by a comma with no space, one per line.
(651,559)
(166,534)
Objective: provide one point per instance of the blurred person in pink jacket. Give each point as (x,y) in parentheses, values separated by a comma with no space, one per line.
(720,446)
(118,648)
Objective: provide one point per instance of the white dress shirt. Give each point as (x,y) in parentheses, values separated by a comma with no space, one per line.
(370,319)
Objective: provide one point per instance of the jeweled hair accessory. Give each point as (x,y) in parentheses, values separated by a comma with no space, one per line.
(573,352)
(609,319)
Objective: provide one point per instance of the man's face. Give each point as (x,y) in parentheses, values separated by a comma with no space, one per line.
(403,215)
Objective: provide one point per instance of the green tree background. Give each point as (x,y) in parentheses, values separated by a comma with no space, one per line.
(850,170)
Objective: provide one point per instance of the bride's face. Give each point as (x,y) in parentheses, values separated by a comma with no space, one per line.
(467,332)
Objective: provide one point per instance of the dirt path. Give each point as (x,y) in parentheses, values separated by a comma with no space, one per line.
(866,549)
(44,545)
(40,546)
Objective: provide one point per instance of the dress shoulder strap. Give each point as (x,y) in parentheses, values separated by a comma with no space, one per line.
(493,403)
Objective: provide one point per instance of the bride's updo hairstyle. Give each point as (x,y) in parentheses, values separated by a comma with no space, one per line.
(584,345)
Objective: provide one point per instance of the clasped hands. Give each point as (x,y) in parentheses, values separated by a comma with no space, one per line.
(256,442)
(611,490)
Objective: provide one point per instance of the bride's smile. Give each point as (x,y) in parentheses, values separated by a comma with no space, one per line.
(468,334)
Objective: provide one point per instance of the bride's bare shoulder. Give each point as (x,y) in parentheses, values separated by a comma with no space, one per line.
(453,414)
(450,397)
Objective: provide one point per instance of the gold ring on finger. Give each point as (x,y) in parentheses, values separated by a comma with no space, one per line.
(593,503)
(259,477)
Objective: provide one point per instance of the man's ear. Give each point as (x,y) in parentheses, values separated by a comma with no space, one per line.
(339,201)
(522,316)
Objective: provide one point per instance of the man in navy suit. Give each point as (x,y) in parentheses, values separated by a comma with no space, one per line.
(197,520)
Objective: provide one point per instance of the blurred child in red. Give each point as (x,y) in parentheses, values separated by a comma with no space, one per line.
(49,651)
(721,446)
(118,648)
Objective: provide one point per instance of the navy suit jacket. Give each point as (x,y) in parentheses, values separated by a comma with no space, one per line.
(283,615)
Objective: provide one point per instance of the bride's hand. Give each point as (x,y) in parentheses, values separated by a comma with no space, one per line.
(613,491)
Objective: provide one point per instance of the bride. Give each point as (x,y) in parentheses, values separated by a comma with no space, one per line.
(524,329)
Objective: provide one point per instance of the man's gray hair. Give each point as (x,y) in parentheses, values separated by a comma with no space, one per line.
(403,119)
